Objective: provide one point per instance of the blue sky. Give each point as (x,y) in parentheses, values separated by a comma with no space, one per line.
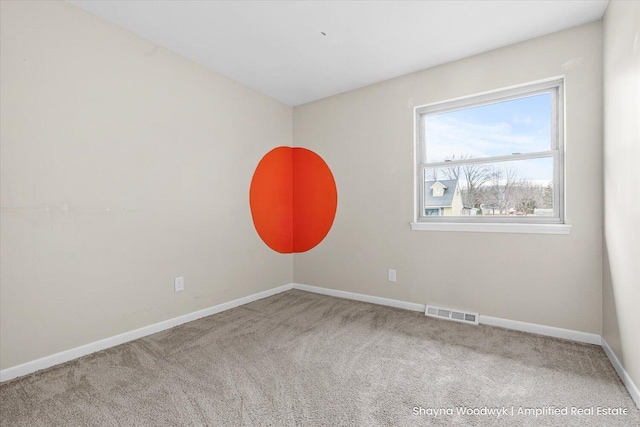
(516,126)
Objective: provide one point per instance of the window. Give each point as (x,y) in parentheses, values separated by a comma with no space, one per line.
(494,158)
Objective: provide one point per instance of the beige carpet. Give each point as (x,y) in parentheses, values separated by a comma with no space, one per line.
(299,358)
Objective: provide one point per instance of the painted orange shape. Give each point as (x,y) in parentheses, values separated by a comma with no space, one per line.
(293,199)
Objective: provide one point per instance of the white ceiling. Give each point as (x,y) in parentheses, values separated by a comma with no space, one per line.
(277,48)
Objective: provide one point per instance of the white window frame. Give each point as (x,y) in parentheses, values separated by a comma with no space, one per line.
(509,224)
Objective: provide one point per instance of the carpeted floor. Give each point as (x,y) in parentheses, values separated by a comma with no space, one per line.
(299,358)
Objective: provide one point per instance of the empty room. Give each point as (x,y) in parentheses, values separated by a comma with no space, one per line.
(319,213)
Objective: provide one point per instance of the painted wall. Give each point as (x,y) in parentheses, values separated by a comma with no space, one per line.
(123,166)
(366,136)
(621,25)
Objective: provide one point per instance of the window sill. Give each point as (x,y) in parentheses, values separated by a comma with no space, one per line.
(493,228)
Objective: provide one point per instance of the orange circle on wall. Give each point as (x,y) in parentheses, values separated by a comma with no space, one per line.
(293,199)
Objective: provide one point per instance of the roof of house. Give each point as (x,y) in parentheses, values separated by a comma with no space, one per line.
(443,201)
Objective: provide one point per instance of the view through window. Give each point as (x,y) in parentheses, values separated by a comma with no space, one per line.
(492,158)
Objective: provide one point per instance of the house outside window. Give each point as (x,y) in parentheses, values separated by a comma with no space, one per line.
(444,197)
(492,158)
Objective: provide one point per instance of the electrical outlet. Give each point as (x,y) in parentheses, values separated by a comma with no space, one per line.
(178,284)
(391,275)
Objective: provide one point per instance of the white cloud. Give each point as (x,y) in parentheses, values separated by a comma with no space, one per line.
(447,136)
(522,119)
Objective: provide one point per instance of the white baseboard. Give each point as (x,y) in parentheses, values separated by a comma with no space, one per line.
(549,331)
(83,350)
(534,328)
(74,353)
(361,297)
(624,376)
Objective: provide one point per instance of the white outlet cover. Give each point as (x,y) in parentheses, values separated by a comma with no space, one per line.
(179,284)
(392,275)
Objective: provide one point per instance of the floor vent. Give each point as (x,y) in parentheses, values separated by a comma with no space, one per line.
(452,314)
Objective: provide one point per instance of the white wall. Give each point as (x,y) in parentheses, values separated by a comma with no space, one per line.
(622,183)
(366,137)
(123,166)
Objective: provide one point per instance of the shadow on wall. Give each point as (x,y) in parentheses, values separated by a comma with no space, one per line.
(611,325)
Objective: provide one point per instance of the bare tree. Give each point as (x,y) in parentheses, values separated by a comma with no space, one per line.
(473,175)
(547,202)
(431,175)
(498,191)
(527,196)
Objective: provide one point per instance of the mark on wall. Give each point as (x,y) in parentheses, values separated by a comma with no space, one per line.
(293,199)
(572,63)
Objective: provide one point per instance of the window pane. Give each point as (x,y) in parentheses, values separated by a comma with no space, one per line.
(520,125)
(517,189)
